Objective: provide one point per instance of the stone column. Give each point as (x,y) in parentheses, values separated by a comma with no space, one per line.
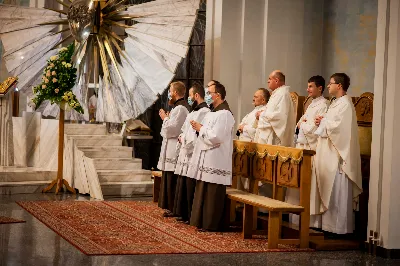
(383,213)
(6,136)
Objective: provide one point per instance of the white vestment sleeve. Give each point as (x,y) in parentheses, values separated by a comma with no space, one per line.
(171,127)
(321,130)
(215,135)
(250,131)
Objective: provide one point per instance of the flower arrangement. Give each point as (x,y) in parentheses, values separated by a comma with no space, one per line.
(58,80)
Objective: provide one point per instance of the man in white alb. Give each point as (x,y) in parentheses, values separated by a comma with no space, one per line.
(187,139)
(211,163)
(170,130)
(308,140)
(276,125)
(247,128)
(337,160)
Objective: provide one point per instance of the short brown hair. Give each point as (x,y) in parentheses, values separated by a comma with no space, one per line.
(179,87)
(219,88)
(198,89)
(265,93)
(343,79)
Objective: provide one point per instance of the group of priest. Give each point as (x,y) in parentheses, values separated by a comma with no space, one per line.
(196,153)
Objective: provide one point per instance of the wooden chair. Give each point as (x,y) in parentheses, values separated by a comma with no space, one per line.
(282,167)
(298,104)
(364,112)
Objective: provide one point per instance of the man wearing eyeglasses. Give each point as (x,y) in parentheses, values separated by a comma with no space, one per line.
(185,186)
(337,159)
(211,163)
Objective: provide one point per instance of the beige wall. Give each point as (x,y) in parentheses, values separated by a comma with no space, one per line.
(247,39)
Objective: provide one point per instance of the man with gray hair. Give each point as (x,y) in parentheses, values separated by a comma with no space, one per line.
(247,128)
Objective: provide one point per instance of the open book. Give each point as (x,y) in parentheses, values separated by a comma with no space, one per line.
(136,125)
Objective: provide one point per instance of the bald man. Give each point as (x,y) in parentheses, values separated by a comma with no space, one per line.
(276,125)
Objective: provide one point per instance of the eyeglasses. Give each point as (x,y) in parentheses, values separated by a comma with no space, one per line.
(210,92)
(329,84)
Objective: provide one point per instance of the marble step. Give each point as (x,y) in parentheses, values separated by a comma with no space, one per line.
(127,189)
(97,141)
(26,174)
(107,151)
(124,175)
(85,129)
(22,187)
(117,163)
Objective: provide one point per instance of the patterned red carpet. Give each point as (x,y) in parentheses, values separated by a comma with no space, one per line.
(133,227)
(9,220)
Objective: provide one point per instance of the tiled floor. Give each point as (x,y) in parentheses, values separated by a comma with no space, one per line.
(32,243)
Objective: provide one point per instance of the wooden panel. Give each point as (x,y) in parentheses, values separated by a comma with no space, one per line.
(263,169)
(297,104)
(364,109)
(288,174)
(241,164)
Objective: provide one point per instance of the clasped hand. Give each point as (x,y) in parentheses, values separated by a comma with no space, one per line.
(196,125)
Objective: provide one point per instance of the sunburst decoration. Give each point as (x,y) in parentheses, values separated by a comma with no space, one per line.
(131,63)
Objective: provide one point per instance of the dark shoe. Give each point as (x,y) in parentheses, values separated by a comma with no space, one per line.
(168,214)
(180,219)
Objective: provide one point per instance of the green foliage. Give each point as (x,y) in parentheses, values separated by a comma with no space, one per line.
(58,80)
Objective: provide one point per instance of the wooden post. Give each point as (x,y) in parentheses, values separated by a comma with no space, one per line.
(247,221)
(273,230)
(305,185)
(60,181)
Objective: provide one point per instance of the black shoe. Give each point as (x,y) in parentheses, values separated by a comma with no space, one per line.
(168,214)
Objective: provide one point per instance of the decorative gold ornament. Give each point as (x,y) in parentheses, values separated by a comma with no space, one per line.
(6,85)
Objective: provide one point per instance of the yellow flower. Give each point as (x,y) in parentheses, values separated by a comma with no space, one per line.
(54,57)
(52,65)
(76,104)
(53,73)
(54,80)
(70,93)
(63,63)
(65,98)
(56,90)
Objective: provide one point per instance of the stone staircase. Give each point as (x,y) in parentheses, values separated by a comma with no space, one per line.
(117,172)
(24,180)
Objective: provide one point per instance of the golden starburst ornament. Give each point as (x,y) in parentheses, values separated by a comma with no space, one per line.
(131,65)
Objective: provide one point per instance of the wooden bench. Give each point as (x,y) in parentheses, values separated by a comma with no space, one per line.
(281,167)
